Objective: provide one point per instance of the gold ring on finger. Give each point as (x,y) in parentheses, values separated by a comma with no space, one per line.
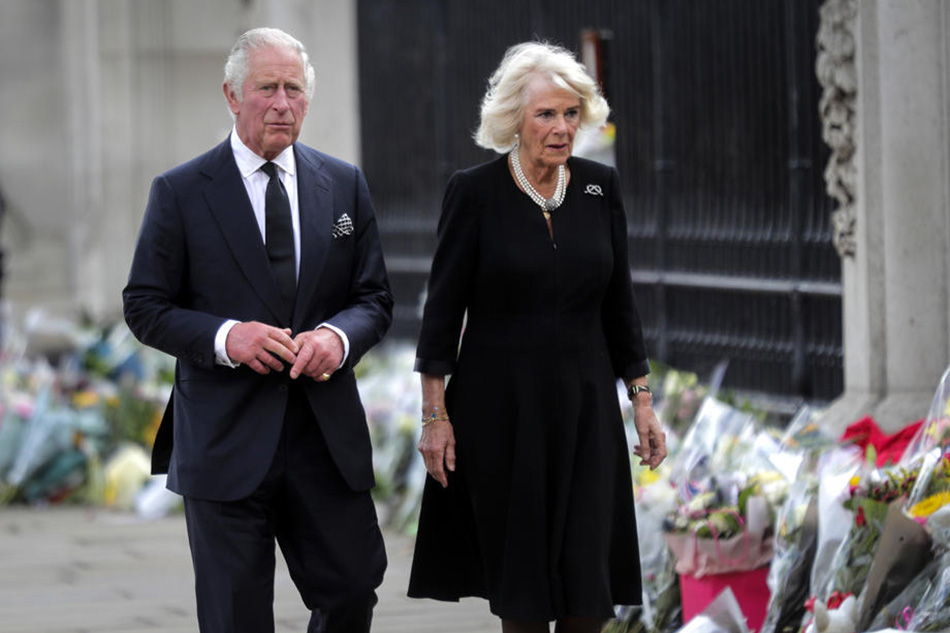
(324,376)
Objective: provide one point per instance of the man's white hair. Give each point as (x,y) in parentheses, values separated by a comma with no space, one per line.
(236,69)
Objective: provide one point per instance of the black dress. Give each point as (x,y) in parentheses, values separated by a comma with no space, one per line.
(538,516)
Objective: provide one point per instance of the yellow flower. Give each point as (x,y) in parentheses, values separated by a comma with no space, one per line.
(930,505)
(85,399)
(648,477)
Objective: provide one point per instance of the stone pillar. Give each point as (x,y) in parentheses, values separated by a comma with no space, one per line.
(895,238)
(99,84)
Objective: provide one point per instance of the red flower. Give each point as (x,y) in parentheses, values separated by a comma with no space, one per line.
(836,598)
(810,605)
(860,519)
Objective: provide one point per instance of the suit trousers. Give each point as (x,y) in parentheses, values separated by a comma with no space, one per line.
(328,534)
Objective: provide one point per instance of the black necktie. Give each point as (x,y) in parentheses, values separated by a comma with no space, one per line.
(279,238)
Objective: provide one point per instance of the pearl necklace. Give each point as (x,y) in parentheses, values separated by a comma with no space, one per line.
(547,204)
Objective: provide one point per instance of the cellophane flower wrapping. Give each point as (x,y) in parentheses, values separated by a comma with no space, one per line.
(795,541)
(899,611)
(728,492)
(935,431)
(929,501)
(870,495)
(903,552)
(722,615)
(391,397)
(932,613)
(796,535)
(662,610)
(834,472)
(677,395)
(929,454)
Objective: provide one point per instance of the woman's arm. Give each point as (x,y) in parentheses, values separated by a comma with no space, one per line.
(652,447)
(437,443)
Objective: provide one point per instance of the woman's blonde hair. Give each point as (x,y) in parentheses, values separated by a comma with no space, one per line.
(504,101)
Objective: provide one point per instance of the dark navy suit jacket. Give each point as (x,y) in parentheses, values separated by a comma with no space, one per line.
(200,260)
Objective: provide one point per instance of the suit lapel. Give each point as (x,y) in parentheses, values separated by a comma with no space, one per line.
(231,209)
(315,200)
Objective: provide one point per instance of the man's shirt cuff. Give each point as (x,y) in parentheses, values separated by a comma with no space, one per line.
(342,335)
(220,344)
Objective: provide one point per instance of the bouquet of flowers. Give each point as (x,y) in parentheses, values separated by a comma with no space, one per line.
(710,537)
(904,551)
(870,496)
(678,397)
(929,500)
(728,494)
(929,453)
(391,397)
(935,431)
(795,544)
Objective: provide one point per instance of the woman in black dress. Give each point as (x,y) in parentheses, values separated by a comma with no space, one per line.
(530,502)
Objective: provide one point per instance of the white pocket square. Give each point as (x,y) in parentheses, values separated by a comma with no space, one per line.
(342,226)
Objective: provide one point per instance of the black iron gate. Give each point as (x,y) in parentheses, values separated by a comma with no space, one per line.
(718,145)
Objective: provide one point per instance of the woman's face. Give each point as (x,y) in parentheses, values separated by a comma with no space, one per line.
(550,121)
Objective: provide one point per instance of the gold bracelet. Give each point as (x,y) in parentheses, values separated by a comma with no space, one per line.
(435,417)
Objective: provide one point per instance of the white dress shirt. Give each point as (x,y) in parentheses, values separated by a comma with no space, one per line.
(255,182)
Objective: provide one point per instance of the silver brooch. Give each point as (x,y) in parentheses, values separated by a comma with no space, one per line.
(342,226)
(594,190)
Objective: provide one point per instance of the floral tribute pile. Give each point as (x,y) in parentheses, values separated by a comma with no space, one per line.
(844,534)
(80,406)
(854,532)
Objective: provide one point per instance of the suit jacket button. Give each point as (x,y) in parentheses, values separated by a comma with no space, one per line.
(282,388)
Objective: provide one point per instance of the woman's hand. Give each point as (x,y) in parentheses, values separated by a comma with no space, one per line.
(652,448)
(437,446)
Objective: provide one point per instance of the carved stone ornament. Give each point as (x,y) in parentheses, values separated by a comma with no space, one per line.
(837,75)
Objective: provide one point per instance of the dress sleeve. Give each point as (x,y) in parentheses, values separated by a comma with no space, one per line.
(450,280)
(619,311)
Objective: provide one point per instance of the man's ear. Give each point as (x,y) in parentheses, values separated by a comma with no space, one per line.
(233,102)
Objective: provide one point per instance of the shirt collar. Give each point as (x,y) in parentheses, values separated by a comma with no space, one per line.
(248,162)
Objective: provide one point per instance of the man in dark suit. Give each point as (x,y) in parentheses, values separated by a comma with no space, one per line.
(259,268)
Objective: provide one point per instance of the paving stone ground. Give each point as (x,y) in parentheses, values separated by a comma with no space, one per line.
(75,570)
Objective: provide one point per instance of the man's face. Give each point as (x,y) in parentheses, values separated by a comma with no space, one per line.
(274,103)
